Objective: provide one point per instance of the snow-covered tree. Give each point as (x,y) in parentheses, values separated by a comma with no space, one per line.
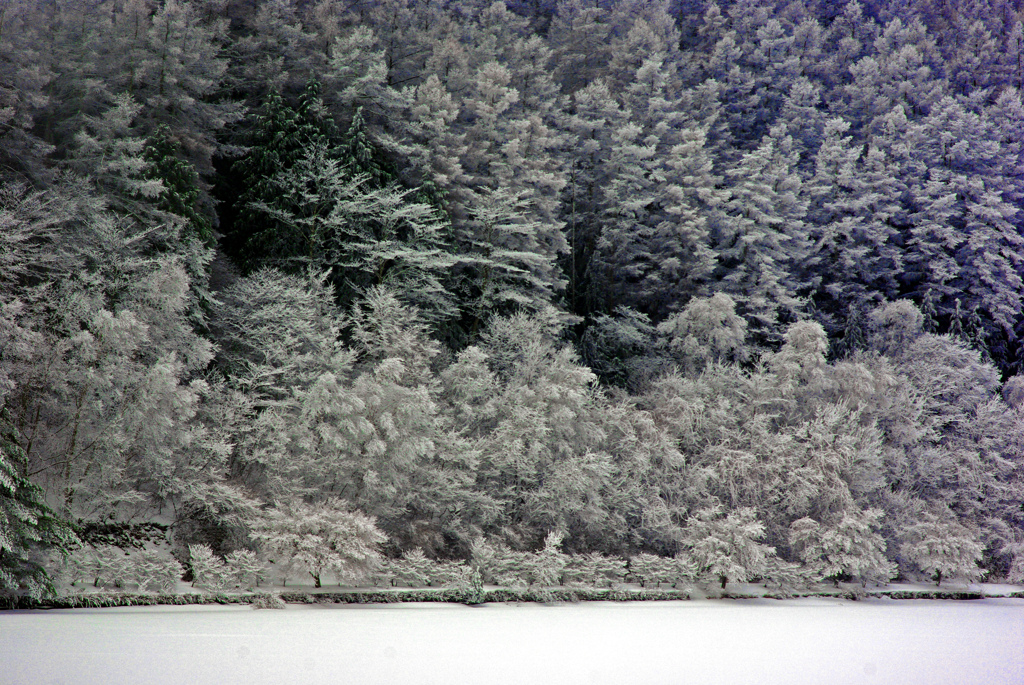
(25,71)
(275,332)
(850,546)
(761,235)
(940,547)
(28,527)
(324,216)
(277,138)
(579,34)
(321,538)
(707,331)
(726,547)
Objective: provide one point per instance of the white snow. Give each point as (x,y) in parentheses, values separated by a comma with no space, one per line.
(707,642)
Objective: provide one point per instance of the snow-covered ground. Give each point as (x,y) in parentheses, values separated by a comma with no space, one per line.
(740,642)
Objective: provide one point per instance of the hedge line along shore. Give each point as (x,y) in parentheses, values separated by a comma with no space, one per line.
(456,596)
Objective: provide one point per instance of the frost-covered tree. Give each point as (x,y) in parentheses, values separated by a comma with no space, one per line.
(275,332)
(850,546)
(854,260)
(108,151)
(322,538)
(326,217)
(940,547)
(578,34)
(707,331)
(964,222)
(371,430)
(275,51)
(108,399)
(904,71)
(591,127)
(278,137)
(26,74)
(555,453)
(761,237)
(726,547)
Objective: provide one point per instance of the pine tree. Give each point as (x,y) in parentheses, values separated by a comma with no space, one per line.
(973,67)
(903,72)
(26,76)
(275,53)
(578,34)
(181,186)
(112,154)
(591,125)
(760,237)
(854,260)
(955,216)
(279,138)
(28,527)
(328,217)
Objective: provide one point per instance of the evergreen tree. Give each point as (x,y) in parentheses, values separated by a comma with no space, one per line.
(760,238)
(181,188)
(578,35)
(26,77)
(274,52)
(279,138)
(28,527)
(854,261)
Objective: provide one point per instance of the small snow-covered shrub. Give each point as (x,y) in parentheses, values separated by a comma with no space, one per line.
(546,566)
(244,569)
(500,565)
(503,566)
(267,600)
(322,538)
(82,565)
(208,570)
(652,570)
(785,577)
(415,569)
(115,566)
(155,571)
(412,570)
(594,570)
(149,570)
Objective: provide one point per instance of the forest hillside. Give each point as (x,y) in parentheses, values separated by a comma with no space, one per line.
(736,285)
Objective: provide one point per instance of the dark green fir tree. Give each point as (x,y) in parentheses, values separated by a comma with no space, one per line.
(28,527)
(181,194)
(280,137)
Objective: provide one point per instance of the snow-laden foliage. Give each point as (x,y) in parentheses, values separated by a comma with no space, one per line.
(731,291)
(321,539)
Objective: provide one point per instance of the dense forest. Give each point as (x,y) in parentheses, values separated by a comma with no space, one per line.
(734,284)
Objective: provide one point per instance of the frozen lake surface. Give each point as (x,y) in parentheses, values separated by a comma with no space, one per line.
(702,642)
